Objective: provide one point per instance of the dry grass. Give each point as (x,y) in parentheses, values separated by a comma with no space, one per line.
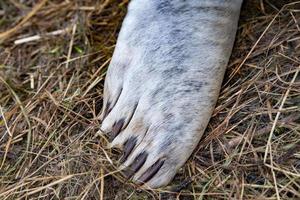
(50,96)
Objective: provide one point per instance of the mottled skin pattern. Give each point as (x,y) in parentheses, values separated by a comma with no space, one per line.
(163,82)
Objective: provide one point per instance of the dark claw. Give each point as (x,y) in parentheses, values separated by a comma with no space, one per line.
(151,171)
(117,127)
(128,147)
(107,110)
(136,165)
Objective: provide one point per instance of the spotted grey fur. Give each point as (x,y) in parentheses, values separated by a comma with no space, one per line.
(163,82)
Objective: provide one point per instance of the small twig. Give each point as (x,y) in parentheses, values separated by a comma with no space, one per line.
(39,37)
(9,140)
(86,8)
(102,184)
(74,28)
(5,122)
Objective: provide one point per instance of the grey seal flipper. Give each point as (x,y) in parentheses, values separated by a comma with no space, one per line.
(164,80)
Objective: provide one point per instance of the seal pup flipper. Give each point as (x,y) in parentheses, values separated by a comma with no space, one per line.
(164,80)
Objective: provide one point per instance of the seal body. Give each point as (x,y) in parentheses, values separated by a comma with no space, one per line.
(163,82)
